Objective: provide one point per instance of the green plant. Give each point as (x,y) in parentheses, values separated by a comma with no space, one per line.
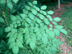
(31,31)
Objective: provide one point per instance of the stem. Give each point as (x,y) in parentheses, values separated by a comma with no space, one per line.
(5,18)
(3,14)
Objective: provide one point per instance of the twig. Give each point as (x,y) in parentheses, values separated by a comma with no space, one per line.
(3,14)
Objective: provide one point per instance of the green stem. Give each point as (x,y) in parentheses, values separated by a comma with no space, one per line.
(3,13)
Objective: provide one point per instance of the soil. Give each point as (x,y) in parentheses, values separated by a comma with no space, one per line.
(57,12)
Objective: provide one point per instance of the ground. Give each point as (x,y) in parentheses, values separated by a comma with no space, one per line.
(57,12)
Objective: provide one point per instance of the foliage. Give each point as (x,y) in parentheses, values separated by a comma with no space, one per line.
(30,30)
(67,17)
(65,1)
(49,3)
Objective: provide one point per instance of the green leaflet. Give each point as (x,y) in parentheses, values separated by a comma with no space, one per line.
(10,5)
(15,26)
(51,34)
(43,12)
(14,31)
(7,29)
(39,36)
(36,8)
(40,16)
(58,27)
(32,44)
(50,12)
(37,25)
(11,25)
(18,21)
(27,7)
(50,29)
(28,20)
(34,11)
(25,11)
(15,49)
(33,37)
(12,39)
(50,25)
(34,2)
(57,19)
(36,29)
(31,16)
(47,30)
(8,35)
(50,18)
(21,29)
(15,1)
(13,18)
(2,20)
(19,44)
(2,1)
(46,21)
(23,16)
(20,36)
(18,18)
(30,3)
(19,24)
(54,22)
(28,41)
(56,32)
(11,45)
(42,24)
(38,20)
(44,39)
(43,7)
(63,31)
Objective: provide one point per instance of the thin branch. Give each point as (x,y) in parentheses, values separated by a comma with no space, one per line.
(4,16)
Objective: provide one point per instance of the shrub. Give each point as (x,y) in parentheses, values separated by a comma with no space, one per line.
(31,30)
